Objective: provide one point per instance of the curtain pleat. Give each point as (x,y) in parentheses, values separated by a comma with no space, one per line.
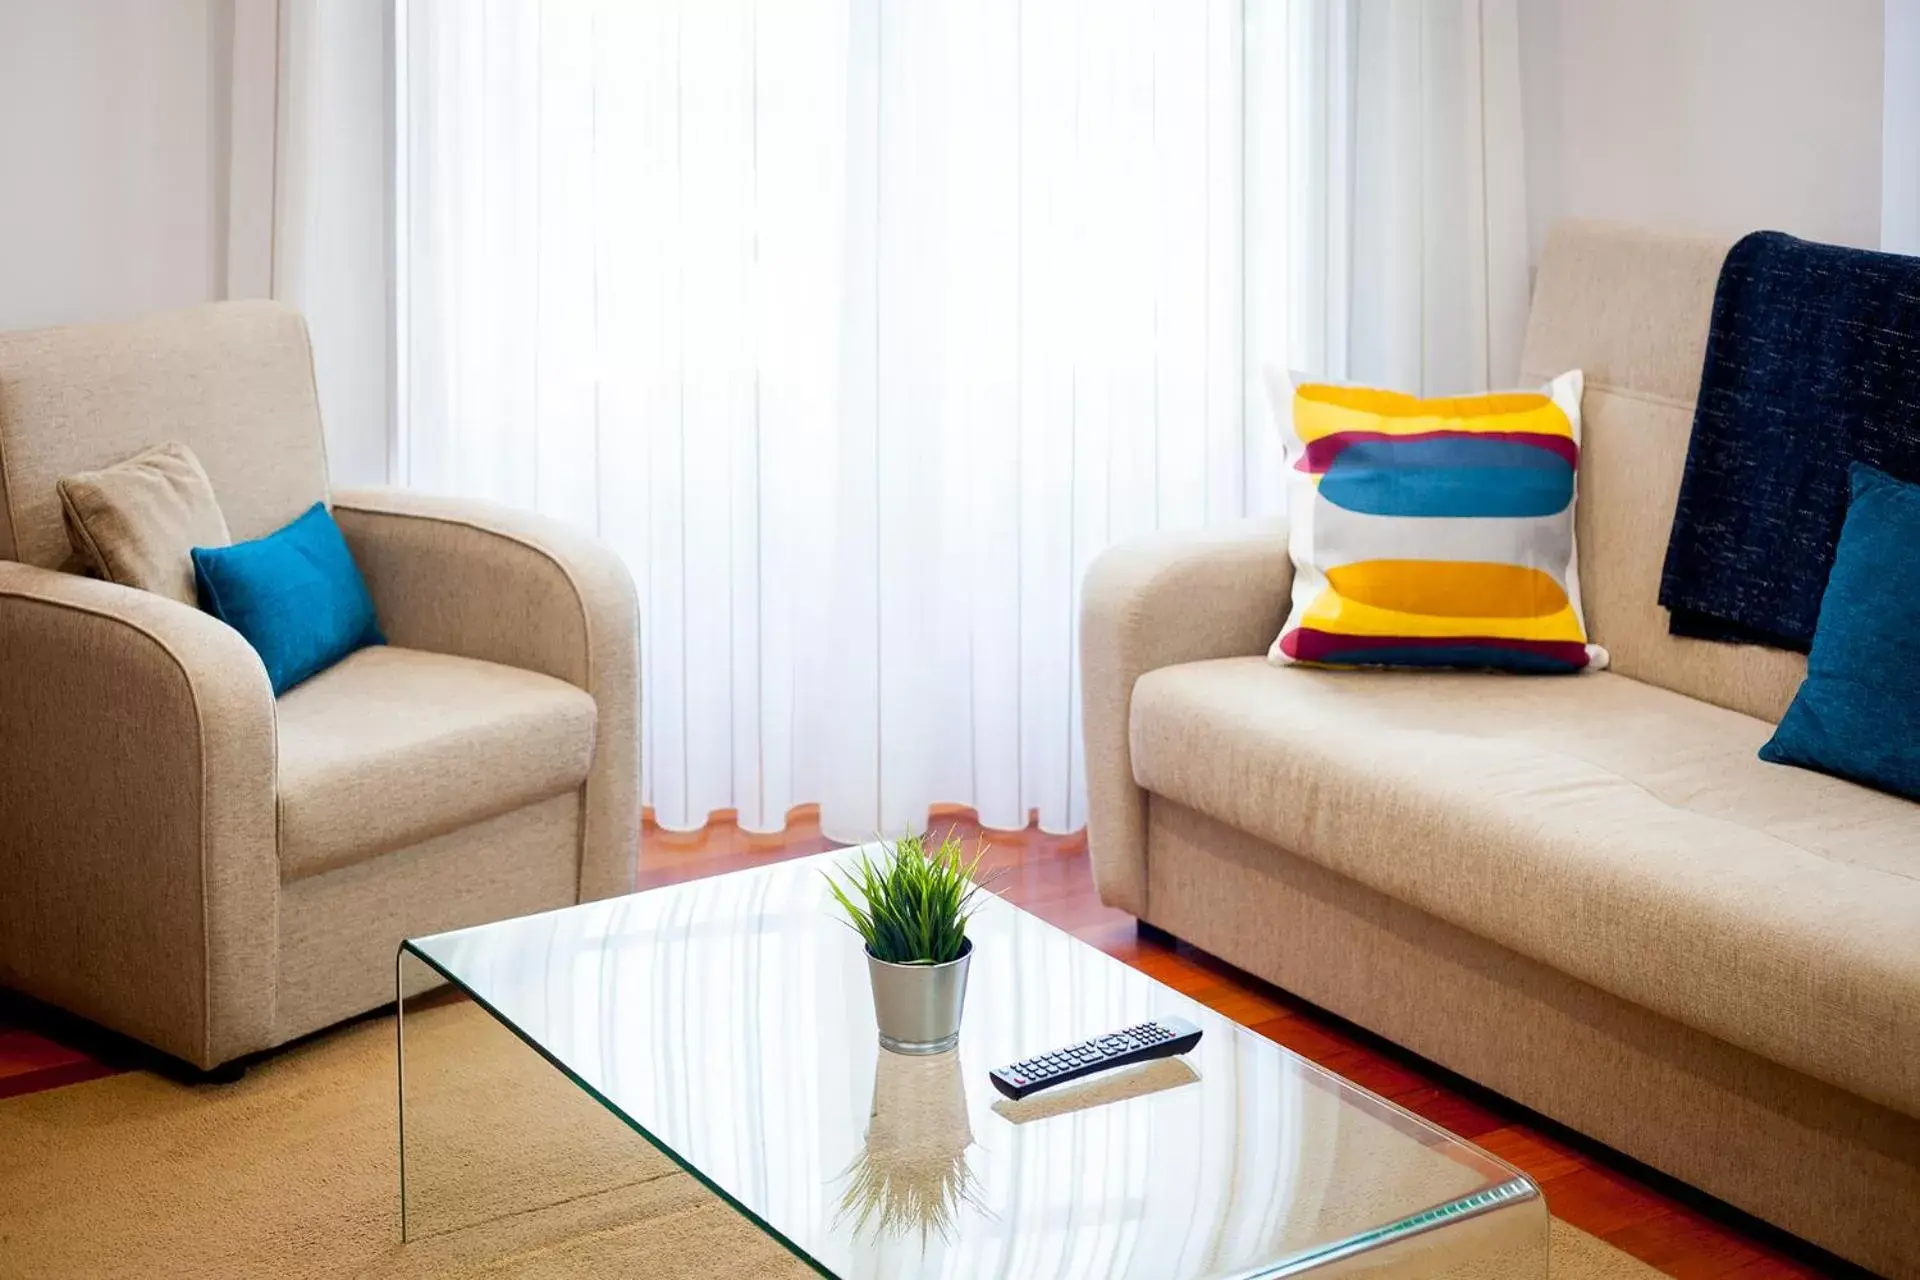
(860,328)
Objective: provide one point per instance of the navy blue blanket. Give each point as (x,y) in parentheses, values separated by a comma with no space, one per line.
(1813,362)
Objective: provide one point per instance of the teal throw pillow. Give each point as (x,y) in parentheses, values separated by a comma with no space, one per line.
(1857,715)
(296,595)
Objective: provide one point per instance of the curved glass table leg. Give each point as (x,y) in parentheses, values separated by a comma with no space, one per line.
(400,966)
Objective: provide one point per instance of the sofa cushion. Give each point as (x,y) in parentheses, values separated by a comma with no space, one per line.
(1858,714)
(233,381)
(296,595)
(1629,308)
(392,746)
(1432,532)
(1622,833)
(137,522)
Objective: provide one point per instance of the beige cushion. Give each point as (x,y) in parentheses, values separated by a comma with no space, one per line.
(1629,481)
(1621,833)
(1630,309)
(137,522)
(232,380)
(393,746)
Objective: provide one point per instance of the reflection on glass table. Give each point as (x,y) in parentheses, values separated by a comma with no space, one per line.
(728,1022)
(910,1177)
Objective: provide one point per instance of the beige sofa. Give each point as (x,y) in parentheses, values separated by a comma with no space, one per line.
(1584,892)
(193,863)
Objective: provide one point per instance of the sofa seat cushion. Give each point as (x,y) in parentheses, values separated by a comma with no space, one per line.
(393,746)
(1624,834)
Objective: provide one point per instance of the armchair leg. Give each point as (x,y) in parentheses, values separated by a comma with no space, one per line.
(1154,933)
(225,1073)
(143,1058)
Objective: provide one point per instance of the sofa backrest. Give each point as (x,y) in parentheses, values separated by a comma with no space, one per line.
(232,380)
(1630,308)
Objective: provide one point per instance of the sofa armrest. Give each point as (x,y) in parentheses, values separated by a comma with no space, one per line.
(484,581)
(139,877)
(1172,598)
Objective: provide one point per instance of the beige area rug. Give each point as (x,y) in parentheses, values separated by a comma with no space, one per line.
(292,1173)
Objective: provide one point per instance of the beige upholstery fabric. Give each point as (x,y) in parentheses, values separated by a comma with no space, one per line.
(1585,892)
(137,522)
(1621,833)
(1152,603)
(190,863)
(1627,307)
(136,814)
(232,380)
(339,931)
(1817,1160)
(1629,480)
(391,746)
(1630,308)
(486,582)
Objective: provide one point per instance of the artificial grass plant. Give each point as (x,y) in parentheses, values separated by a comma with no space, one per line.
(912,904)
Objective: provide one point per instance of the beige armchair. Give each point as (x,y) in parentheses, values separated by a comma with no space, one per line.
(186,859)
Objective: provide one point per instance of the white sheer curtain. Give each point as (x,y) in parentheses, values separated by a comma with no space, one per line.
(860,327)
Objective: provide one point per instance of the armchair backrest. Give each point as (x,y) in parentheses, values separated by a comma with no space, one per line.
(231,380)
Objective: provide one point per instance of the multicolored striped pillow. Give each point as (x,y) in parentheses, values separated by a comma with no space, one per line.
(1434,533)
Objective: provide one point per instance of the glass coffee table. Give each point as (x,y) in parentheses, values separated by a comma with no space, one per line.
(727,1021)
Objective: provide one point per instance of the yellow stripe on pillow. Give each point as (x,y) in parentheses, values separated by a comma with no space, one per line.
(1449,589)
(1342,615)
(1321,410)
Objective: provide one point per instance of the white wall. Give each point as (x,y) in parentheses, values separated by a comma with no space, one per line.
(1900,176)
(1717,116)
(113,121)
(154,154)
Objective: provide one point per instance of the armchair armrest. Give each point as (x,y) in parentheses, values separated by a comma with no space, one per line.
(484,581)
(1156,602)
(139,878)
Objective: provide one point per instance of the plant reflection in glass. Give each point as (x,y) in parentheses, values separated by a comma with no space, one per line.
(911,1173)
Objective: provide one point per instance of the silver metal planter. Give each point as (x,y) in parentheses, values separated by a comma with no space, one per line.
(918,1005)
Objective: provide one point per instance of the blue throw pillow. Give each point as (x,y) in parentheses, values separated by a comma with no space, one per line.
(1857,715)
(296,595)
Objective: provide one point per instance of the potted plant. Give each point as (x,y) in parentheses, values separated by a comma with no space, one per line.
(911,906)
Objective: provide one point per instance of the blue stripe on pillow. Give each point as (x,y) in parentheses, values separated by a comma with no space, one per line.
(1448,478)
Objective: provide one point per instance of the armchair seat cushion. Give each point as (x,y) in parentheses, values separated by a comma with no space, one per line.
(1621,833)
(393,746)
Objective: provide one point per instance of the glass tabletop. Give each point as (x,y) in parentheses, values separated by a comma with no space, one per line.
(728,1021)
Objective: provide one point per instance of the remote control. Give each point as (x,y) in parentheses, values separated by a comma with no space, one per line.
(1161,1038)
